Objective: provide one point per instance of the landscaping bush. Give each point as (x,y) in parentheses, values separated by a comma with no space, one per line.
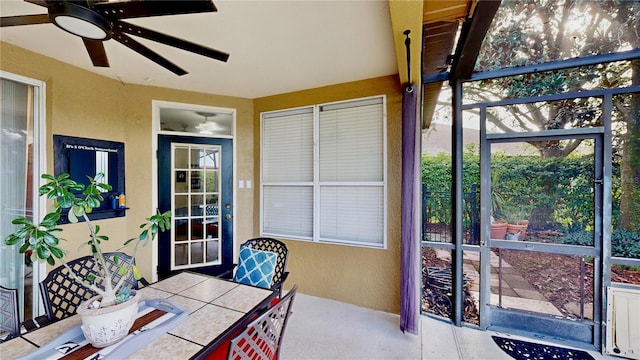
(530,184)
(436,181)
(624,243)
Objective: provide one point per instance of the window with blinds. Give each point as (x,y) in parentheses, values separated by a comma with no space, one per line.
(324,173)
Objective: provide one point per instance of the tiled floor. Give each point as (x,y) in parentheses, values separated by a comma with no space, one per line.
(327,329)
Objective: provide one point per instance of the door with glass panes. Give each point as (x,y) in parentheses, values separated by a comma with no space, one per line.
(195,181)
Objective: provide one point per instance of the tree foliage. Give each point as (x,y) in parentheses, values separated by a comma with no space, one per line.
(537,31)
(531,32)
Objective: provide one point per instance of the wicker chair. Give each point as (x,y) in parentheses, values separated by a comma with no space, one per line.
(9,312)
(278,247)
(262,338)
(62,294)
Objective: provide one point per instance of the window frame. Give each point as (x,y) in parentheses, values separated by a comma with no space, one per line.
(316,184)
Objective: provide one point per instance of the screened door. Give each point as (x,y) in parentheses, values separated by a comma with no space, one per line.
(545,279)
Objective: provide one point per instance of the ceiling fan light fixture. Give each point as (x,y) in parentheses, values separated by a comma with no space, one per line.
(80,21)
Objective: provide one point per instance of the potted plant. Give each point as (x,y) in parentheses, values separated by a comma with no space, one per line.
(42,240)
(498,229)
(517,222)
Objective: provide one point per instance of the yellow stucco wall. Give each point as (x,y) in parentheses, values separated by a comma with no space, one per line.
(361,276)
(80,103)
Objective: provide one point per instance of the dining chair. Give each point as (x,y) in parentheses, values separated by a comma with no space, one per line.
(116,259)
(280,272)
(62,294)
(262,338)
(9,312)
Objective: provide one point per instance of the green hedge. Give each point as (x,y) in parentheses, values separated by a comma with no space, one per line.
(529,185)
(436,177)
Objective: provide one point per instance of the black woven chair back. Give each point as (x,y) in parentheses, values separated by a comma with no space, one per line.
(120,259)
(276,246)
(9,312)
(262,338)
(62,294)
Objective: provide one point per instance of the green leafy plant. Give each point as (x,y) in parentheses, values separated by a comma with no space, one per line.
(42,239)
(624,243)
(513,214)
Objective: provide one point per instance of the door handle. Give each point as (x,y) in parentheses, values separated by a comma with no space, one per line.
(227,217)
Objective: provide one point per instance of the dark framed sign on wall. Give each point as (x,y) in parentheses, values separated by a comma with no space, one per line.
(82,157)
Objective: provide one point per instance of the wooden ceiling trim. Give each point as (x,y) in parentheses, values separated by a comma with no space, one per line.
(441,21)
(452,10)
(438,40)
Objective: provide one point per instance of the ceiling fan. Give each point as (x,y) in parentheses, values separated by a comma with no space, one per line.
(96,21)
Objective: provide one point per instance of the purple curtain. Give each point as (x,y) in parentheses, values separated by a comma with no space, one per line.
(410,262)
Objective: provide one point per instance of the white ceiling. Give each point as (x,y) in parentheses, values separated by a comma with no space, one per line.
(275,47)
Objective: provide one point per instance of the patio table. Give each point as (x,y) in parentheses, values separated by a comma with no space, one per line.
(216,307)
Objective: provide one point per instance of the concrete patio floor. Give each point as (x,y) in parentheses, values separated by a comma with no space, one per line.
(326,329)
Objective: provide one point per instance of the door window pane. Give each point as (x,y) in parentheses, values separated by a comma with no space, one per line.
(196,206)
(181,158)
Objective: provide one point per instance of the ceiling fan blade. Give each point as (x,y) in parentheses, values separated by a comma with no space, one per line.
(146,8)
(37,2)
(95,48)
(127,41)
(170,40)
(24,20)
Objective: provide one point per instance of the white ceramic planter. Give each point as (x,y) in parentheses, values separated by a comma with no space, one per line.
(106,326)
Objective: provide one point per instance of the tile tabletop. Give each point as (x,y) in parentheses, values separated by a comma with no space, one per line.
(215,307)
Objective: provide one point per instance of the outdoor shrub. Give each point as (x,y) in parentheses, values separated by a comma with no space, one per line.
(624,243)
(582,238)
(436,188)
(529,185)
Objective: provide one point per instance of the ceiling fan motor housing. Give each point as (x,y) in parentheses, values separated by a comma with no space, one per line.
(79,20)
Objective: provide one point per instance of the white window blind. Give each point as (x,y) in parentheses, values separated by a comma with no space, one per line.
(343,198)
(288,210)
(287,173)
(287,146)
(352,214)
(351,146)
(351,172)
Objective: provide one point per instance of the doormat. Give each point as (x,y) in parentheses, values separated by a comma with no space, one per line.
(524,350)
